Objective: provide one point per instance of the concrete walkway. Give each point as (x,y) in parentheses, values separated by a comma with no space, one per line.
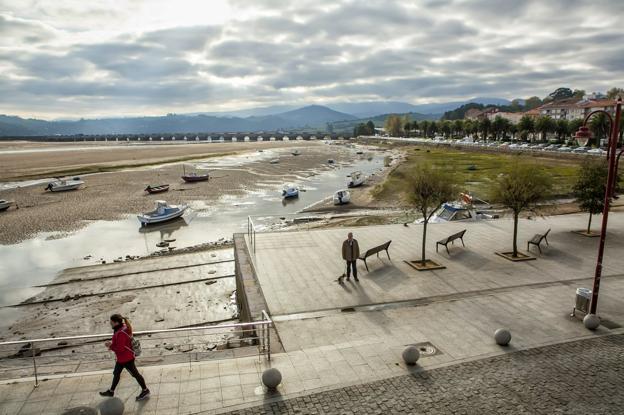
(335,336)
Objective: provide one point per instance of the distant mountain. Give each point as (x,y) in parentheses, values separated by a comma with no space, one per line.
(379,120)
(373,108)
(250,112)
(449,106)
(311,117)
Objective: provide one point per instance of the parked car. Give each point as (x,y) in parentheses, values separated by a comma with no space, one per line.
(564,149)
(580,150)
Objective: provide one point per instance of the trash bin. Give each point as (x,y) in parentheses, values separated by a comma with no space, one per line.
(583,298)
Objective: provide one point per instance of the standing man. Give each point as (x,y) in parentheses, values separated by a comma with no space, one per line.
(350,253)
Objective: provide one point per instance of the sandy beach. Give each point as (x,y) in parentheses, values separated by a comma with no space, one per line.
(110,195)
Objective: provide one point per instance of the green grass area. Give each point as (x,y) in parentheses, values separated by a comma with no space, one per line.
(476,172)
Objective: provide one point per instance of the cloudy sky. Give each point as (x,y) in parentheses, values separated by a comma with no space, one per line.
(73,58)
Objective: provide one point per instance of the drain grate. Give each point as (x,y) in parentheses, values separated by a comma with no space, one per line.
(426,349)
(609,324)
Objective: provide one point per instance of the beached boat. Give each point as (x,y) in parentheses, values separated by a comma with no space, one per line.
(331,161)
(355,179)
(163,212)
(342,197)
(290,191)
(64,185)
(462,210)
(194,177)
(5,204)
(295,152)
(160,188)
(274,161)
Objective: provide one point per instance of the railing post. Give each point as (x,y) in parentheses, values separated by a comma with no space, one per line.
(268,336)
(32,353)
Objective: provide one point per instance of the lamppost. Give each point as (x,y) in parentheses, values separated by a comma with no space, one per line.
(583,134)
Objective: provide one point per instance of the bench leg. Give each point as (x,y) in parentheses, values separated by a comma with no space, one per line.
(447,251)
(366,265)
(540,249)
(528,246)
(546,239)
(387,253)
(462,240)
(437,244)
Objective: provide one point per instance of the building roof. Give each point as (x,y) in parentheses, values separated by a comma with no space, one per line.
(561,103)
(598,103)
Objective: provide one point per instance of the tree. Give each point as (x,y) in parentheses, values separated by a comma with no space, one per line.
(485,125)
(589,189)
(371,127)
(561,128)
(500,126)
(429,189)
(613,93)
(519,188)
(526,124)
(363,129)
(578,93)
(560,93)
(445,128)
(433,128)
(393,125)
(424,127)
(458,127)
(544,125)
(532,102)
(599,126)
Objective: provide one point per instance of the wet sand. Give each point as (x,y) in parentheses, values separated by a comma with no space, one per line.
(109,196)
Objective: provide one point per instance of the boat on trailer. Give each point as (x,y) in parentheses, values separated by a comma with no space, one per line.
(163,213)
(342,197)
(62,185)
(356,179)
(160,188)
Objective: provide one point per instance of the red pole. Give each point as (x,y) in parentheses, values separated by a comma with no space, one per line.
(612,173)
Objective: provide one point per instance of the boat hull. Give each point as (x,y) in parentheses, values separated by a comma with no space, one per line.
(64,188)
(149,220)
(157,189)
(193,179)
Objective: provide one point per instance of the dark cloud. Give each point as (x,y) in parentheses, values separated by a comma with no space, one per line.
(272,51)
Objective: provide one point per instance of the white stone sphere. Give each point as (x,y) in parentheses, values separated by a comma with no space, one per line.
(271,378)
(411,354)
(502,337)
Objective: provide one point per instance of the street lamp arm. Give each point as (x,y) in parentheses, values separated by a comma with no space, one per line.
(588,116)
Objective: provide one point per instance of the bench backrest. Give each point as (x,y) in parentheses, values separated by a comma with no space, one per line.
(539,237)
(457,235)
(376,249)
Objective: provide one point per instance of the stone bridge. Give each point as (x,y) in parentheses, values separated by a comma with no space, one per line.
(190,137)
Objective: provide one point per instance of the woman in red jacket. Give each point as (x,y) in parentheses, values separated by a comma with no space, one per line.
(121,344)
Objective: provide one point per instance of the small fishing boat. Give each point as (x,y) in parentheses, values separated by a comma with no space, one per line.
(194,177)
(295,152)
(64,185)
(355,179)
(331,161)
(342,197)
(359,152)
(274,161)
(163,212)
(290,191)
(159,188)
(5,204)
(462,210)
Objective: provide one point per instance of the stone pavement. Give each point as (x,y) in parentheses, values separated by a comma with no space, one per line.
(582,377)
(336,336)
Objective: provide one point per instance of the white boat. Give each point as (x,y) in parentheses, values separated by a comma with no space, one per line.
(462,210)
(64,185)
(5,204)
(342,197)
(162,213)
(355,179)
(295,152)
(274,161)
(290,191)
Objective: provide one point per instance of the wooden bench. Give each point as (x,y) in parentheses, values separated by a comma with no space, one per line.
(375,250)
(451,239)
(537,240)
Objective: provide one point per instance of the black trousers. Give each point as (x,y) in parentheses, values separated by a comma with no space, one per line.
(352,265)
(130,367)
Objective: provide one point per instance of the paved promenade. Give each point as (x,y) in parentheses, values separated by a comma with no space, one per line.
(335,336)
(583,377)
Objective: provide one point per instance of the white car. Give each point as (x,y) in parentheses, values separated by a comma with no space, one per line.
(564,149)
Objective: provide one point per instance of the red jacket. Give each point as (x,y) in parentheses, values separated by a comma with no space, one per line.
(121,344)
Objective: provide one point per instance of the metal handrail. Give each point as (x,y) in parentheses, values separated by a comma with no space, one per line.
(265,325)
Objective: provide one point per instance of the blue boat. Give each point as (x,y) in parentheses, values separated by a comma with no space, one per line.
(163,212)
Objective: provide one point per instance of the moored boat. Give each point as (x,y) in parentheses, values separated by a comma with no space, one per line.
(64,185)
(194,177)
(5,204)
(160,188)
(290,191)
(295,152)
(342,197)
(331,161)
(355,179)
(163,212)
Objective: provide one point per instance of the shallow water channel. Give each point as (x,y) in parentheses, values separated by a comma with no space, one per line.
(37,260)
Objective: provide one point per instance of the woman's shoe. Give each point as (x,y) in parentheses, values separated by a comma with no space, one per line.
(143,395)
(107,393)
